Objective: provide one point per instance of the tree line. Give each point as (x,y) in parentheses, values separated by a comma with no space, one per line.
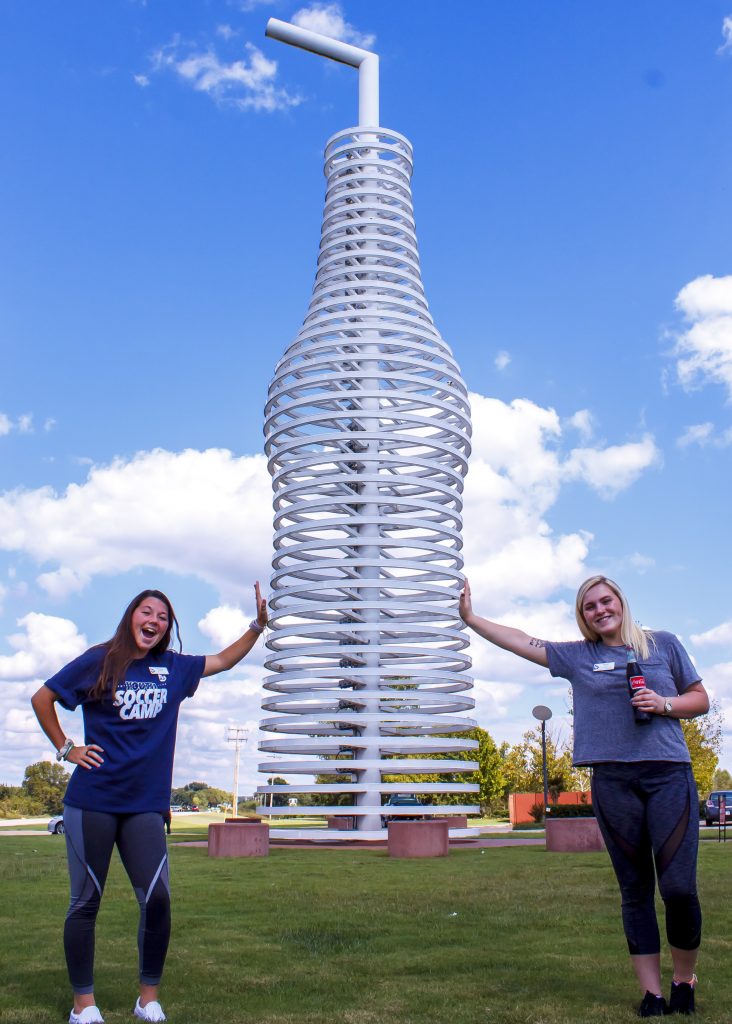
(498,769)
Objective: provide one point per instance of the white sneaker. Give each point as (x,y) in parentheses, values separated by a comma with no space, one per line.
(150,1011)
(89,1015)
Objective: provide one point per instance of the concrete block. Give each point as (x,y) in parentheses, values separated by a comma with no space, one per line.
(238,839)
(418,838)
(574,835)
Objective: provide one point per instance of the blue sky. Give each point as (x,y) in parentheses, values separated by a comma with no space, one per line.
(161,205)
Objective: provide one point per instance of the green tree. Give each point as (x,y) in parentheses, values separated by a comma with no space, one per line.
(703,737)
(278,799)
(14,803)
(45,783)
(722,779)
(198,794)
(487,765)
(522,765)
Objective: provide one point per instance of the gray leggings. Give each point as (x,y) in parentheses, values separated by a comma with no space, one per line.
(90,838)
(648,813)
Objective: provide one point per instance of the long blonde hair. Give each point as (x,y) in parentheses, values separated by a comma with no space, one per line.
(630,632)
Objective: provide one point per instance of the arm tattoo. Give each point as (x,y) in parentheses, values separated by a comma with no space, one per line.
(533,642)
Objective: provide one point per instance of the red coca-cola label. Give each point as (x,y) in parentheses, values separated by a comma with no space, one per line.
(637,683)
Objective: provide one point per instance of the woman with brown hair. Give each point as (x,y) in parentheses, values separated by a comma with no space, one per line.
(130,689)
(643,791)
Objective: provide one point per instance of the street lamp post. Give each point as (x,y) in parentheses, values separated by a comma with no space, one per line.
(543,714)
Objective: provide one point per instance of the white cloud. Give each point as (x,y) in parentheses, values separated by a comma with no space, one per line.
(62,582)
(641,563)
(583,422)
(226,32)
(49,424)
(697,433)
(199,513)
(502,360)
(705,435)
(142,80)
(726,46)
(328,20)
(47,643)
(247,84)
(613,469)
(23,424)
(704,348)
(224,624)
(247,6)
(516,473)
(721,634)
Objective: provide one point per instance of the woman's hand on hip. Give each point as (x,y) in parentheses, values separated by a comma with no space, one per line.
(86,756)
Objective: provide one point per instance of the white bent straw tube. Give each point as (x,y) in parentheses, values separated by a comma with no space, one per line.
(366,62)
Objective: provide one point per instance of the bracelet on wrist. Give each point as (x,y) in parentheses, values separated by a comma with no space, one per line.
(63,752)
(256,627)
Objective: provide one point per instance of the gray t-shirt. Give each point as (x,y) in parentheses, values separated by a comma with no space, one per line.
(604,727)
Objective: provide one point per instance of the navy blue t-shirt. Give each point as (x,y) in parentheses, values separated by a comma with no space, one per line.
(135,726)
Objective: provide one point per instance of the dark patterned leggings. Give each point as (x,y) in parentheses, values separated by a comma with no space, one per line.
(90,838)
(648,814)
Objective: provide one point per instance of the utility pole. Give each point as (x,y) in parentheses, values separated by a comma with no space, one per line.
(238,736)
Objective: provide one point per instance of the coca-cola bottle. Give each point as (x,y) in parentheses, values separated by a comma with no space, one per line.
(636,681)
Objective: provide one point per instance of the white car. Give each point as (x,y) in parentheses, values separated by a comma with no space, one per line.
(56,825)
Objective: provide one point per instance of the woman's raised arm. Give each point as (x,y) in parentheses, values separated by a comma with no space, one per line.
(233,654)
(507,637)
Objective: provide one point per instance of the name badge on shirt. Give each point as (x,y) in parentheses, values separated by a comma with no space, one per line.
(603,666)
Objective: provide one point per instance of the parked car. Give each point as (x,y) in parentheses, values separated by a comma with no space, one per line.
(711,808)
(56,825)
(401,800)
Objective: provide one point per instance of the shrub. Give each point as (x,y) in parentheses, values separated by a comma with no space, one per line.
(21,806)
(571,811)
(537,812)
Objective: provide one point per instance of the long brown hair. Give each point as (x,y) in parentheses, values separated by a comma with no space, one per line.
(122,650)
(631,633)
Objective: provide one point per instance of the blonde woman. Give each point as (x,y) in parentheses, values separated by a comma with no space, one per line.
(643,791)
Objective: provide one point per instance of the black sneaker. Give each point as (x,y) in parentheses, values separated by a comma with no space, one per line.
(652,1006)
(682,997)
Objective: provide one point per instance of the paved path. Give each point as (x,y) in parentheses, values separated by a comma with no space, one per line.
(24,832)
(466,844)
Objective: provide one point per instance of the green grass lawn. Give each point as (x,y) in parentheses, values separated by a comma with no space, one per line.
(314,936)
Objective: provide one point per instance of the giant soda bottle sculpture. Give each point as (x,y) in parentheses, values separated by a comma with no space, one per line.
(368,436)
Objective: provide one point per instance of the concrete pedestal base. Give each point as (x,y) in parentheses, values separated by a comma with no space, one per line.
(238,839)
(574,835)
(341,821)
(418,838)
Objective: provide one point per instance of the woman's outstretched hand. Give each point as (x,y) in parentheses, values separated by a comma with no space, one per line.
(261,602)
(233,654)
(507,637)
(465,606)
